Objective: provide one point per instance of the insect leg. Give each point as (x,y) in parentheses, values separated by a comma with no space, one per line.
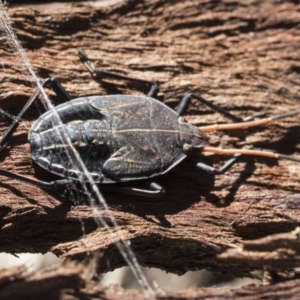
(52,185)
(212,170)
(256,115)
(58,89)
(155,190)
(106,74)
(12,128)
(186,100)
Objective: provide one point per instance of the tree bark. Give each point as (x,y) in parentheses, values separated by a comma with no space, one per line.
(71,280)
(243,56)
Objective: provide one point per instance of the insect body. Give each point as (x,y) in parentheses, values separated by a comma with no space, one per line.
(118,137)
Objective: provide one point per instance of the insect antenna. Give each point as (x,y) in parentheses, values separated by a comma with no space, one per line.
(250,152)
(245,125)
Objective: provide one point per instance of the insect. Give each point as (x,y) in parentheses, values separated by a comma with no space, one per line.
(122,137)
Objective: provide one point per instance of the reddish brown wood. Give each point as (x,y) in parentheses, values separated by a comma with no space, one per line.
(242,55)
(71,280)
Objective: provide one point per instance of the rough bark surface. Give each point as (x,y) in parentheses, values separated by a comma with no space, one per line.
(71,280)
(274,252)
(242,55)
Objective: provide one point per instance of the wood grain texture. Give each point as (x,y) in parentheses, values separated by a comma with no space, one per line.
(71,280)
(242,55)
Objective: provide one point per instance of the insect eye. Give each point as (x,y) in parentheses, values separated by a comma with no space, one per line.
(94,142)
(76,144)
(182,120)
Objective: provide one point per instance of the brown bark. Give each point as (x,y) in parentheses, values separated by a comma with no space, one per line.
(244,56)
(71,280)
(278,251)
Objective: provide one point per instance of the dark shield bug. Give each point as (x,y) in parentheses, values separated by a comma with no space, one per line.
(118,137)
(122,137)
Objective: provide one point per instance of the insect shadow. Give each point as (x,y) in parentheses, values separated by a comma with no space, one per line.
(124,139)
